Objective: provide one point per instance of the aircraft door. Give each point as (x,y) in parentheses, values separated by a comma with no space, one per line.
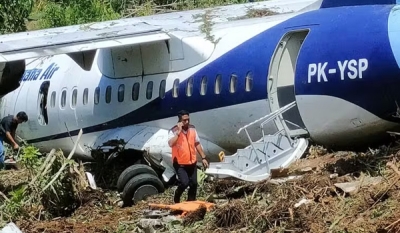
(42,103)
(281,80)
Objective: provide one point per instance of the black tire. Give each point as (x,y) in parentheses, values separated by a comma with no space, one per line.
(131,172)
(140,187)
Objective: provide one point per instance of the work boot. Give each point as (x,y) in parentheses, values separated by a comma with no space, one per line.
(177,195)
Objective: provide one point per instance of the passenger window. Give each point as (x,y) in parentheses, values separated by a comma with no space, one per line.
(175,89)
(63,98)
(53,99)
(162,89)
(149,91)
(135,91)
(121,92)
(218,86)
(85,96)
(203,88)
(249,81)
(108,94)
(97,95)
(189,87)
(74,97)
(233,83)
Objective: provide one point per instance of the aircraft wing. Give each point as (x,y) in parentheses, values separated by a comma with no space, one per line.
(19,47)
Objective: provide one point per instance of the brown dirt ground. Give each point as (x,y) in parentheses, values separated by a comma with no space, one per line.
(264,206)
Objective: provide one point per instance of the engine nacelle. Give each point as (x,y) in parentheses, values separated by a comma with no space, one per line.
(10,76)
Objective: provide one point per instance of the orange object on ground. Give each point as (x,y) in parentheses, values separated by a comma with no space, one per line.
(185,207)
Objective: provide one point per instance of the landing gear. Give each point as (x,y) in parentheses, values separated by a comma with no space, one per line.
(138,182)
(133,171)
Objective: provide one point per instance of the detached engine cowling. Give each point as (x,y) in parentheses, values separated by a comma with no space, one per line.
(10,76)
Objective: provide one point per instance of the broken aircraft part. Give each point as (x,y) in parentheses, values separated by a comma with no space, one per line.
(254,163)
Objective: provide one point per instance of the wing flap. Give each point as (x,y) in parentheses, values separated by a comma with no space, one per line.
(19,48)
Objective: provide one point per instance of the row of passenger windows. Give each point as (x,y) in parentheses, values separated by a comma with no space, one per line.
(149,90)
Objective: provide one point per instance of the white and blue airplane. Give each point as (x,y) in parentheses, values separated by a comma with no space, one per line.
(338,61)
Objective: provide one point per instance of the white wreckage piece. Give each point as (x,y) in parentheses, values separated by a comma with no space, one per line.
(255,162)
(10,228)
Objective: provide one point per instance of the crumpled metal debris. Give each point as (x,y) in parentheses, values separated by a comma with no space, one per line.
(10,228)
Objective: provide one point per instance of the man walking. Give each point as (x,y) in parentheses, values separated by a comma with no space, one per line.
(184,141)
(8,126)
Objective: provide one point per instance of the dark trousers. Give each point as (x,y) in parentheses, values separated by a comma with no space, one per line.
(187,175)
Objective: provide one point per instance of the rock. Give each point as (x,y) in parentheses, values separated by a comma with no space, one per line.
(170,218)
(150,225)
(155,213)
(352,187)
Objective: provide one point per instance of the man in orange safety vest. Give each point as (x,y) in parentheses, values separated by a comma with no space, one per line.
(184,141)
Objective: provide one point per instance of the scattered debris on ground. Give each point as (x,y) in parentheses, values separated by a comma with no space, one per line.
(333,192)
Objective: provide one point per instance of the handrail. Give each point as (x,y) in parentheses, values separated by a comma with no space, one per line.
(278,112)
(270,116)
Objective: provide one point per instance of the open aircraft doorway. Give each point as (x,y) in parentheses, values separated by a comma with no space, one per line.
(42,103)
(281,80)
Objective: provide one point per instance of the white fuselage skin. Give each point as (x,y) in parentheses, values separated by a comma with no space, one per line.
(212,125)
(217,127)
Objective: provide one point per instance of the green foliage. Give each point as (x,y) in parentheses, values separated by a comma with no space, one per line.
(31,158)
(135,8)
(14,207)
(66,185)
(55,13)
(13,14)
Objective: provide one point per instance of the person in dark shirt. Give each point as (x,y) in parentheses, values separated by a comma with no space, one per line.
(8,126)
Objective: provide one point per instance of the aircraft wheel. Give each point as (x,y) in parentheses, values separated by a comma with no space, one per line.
(133,171)
(140,187)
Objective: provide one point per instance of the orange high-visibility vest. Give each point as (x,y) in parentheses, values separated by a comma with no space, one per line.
(184,150)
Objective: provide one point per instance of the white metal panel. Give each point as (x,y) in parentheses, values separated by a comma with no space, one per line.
(155,58)
(120,62)
(175,48)
(126,61)
(105,61)
(196,50)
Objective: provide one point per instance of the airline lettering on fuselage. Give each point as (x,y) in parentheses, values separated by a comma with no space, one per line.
(35,74)
(348,69)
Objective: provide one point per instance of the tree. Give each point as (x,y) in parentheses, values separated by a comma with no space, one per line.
(13,15)
(70,12)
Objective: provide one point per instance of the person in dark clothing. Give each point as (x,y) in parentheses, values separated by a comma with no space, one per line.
(184,141)
(8,126)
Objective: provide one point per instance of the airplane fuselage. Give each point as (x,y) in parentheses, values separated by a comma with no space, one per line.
(340,65)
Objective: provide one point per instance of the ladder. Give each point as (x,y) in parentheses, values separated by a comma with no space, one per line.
(255,162)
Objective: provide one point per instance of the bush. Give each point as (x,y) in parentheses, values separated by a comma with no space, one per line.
(13,14)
